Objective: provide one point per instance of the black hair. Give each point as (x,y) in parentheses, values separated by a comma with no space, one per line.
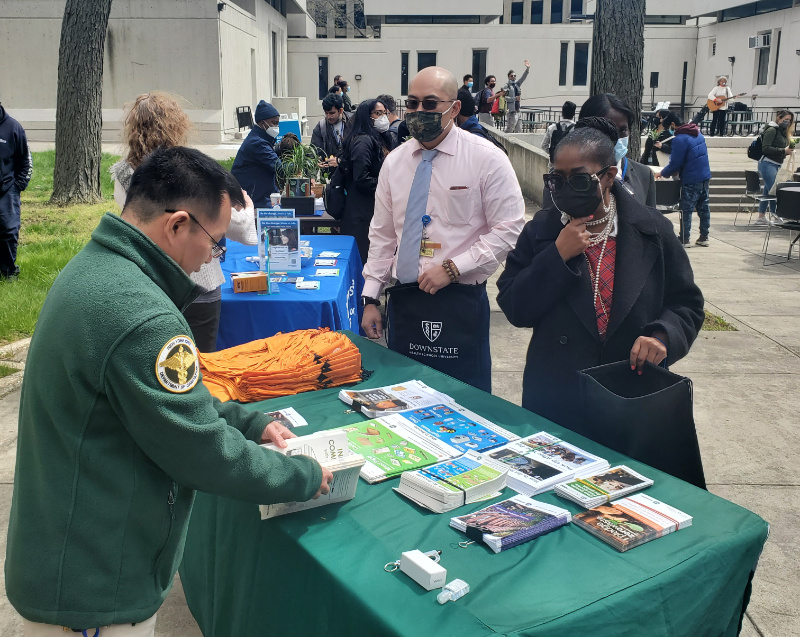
(602,104)
(180,178)
(467,103)
(663,112)
(510,72)
(331,101)
(671,118)
(342,83)
(388,102)
(489,79)
(332,90)
(361,124)
(466,77)
(568,110)
(336,79)
(596,137)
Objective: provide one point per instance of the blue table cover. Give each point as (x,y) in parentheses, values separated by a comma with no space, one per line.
(247,316)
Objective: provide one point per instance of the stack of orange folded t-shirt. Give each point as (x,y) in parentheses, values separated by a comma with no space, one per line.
(281,365)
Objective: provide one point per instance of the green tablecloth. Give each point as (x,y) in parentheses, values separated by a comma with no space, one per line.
(320,572)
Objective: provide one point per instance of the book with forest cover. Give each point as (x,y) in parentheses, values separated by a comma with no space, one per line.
(632,521)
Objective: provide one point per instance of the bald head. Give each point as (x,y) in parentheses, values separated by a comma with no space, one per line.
(434,80)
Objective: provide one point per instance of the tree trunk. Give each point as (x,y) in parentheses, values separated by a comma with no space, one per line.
(618,56)
(79,118)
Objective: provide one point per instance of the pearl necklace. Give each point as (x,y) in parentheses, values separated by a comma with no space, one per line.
(601,237)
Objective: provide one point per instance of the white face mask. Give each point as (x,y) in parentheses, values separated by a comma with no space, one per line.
(381,124)
(273,131)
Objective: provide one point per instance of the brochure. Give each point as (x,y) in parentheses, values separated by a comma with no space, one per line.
(393,398)
(605,486)
(280,232)
(327,272)
(288,417)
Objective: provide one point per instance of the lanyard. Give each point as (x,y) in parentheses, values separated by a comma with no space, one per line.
(624,169)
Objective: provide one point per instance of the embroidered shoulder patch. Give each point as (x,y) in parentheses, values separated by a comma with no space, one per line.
(177,367)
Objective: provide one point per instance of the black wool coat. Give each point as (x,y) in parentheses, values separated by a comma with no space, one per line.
(654,291)
(364,163)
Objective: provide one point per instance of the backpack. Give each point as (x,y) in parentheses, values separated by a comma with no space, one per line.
(558,134)
(499,106)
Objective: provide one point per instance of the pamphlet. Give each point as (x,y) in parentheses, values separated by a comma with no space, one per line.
(325,262)
(288,417)
(630,522)
(327,272)
(307,285)
(280,232)
(329,254)
(393,398)
(610,484)
(511,522)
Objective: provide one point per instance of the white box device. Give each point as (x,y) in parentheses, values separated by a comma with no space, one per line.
(423,570)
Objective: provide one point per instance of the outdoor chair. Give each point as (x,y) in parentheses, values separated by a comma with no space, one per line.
(668,197)
(244,117)
(752,191)
(788,196)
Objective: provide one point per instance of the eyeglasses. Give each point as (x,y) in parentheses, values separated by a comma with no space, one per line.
(427,105)
(216,249)
(376,114)
(579,182)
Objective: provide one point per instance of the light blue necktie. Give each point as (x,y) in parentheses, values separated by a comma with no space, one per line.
(408,252)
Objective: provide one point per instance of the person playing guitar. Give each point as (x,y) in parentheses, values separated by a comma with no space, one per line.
(718,104)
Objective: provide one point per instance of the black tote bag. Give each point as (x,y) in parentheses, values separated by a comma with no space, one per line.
(439,330)
(649,417)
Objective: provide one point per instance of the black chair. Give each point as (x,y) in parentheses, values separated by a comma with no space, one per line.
(752,191)
(668,198)
(788,209)
(244,117)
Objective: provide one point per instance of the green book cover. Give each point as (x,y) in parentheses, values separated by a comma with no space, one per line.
(460,474)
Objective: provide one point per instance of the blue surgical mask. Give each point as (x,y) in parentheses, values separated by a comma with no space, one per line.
(621,149)
(469,84)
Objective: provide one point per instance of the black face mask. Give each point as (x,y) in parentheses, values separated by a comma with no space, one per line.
(492,85)
(577,204)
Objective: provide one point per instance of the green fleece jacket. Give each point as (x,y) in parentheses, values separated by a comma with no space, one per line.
(116,432)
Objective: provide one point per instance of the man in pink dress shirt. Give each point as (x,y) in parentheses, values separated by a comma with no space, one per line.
(469,223)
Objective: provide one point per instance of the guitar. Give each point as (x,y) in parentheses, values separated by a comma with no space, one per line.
(715,105)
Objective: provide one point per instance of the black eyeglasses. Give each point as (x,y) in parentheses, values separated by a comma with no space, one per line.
(216,249)
(579,182)
(427,105)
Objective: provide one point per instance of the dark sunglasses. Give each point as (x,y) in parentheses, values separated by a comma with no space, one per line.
(579,182)
(427,105)
(217,250)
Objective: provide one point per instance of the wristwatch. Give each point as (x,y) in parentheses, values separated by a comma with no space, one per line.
(368,300)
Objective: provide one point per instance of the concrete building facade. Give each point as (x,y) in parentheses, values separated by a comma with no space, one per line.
(221,54)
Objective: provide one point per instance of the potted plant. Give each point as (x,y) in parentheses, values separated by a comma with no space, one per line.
(297,169)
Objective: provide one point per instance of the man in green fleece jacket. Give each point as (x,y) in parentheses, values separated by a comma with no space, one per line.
(116,431)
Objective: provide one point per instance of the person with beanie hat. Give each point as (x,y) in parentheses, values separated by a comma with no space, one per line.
(256,161)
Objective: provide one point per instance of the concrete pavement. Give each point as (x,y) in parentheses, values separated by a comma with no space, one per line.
(744,381)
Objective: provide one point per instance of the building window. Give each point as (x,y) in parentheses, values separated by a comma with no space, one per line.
(576,8)
(537,11)
(754,8)
(424,60)
(432,19)
(562,67)
(274,63)
(404,73)
(516,12)
(556,11)
(712,47)
(763,66)
(478,68)
(664,19)
(323,77)
(580,68)
(777,54)
(358,16)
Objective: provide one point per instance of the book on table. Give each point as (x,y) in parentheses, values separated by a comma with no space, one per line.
(632,521)
(331,450)
(392,398)
(511,522)
(448,485)
(537,463)
(610,484)
(391,444)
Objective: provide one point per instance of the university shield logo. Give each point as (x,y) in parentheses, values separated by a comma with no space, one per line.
(432,329)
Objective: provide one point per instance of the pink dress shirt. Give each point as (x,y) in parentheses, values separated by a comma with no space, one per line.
(475,204)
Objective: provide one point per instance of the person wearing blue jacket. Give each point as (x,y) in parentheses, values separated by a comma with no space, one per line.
(16,168)
(256,161)
(690,158)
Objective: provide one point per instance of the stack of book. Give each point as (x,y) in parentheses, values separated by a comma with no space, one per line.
(511,522)
(630,522)
(393,398)
(331,450)
(605,486)
(539,462)
(451,484)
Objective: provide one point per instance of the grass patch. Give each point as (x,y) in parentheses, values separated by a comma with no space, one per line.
(714,323)
(5,370)
(49,237)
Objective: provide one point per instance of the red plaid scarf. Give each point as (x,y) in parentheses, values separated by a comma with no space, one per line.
(606,287)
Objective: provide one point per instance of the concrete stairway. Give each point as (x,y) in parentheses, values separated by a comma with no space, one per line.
(725,189)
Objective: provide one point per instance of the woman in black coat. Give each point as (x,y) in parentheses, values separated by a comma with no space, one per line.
(648,309)
(363,151)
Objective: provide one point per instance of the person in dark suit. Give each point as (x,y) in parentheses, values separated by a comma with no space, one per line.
(599,277)
(328,135)
(638,176)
